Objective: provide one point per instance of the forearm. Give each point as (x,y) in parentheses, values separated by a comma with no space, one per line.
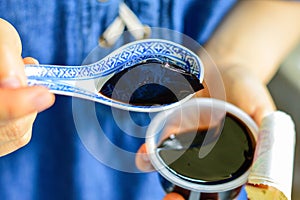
(257,35)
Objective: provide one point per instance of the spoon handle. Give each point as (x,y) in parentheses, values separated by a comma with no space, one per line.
(68,89)
(60,72)
(61,79)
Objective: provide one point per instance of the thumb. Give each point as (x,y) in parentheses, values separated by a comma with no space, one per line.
(17,101)
(11,64)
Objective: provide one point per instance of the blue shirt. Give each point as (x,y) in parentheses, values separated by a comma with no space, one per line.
(58,163)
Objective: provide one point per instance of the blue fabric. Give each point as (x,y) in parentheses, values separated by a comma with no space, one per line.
(56,164)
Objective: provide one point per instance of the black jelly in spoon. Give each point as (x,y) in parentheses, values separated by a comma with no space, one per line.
(151,83)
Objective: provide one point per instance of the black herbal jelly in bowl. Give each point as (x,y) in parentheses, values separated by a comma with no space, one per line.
(151,83)
(203,149)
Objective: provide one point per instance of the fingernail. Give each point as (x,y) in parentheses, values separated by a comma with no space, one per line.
(33,60)
(30,60)
(10,82)
(42,101)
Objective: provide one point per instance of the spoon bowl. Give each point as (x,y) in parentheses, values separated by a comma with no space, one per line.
(85,81)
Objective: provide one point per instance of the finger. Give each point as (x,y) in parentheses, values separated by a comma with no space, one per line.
(173,196)
(263,105)
(8,147)
(16,103)
(30,60)
(142,160)
(11,65)
(248,93)
(204,92)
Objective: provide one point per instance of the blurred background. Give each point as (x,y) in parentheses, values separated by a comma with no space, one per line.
(285,89)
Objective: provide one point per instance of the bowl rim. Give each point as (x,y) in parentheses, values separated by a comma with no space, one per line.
(156,124)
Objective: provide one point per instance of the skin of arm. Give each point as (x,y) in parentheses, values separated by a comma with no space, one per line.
(256,35)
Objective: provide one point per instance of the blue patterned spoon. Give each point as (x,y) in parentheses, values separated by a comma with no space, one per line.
(85,81)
